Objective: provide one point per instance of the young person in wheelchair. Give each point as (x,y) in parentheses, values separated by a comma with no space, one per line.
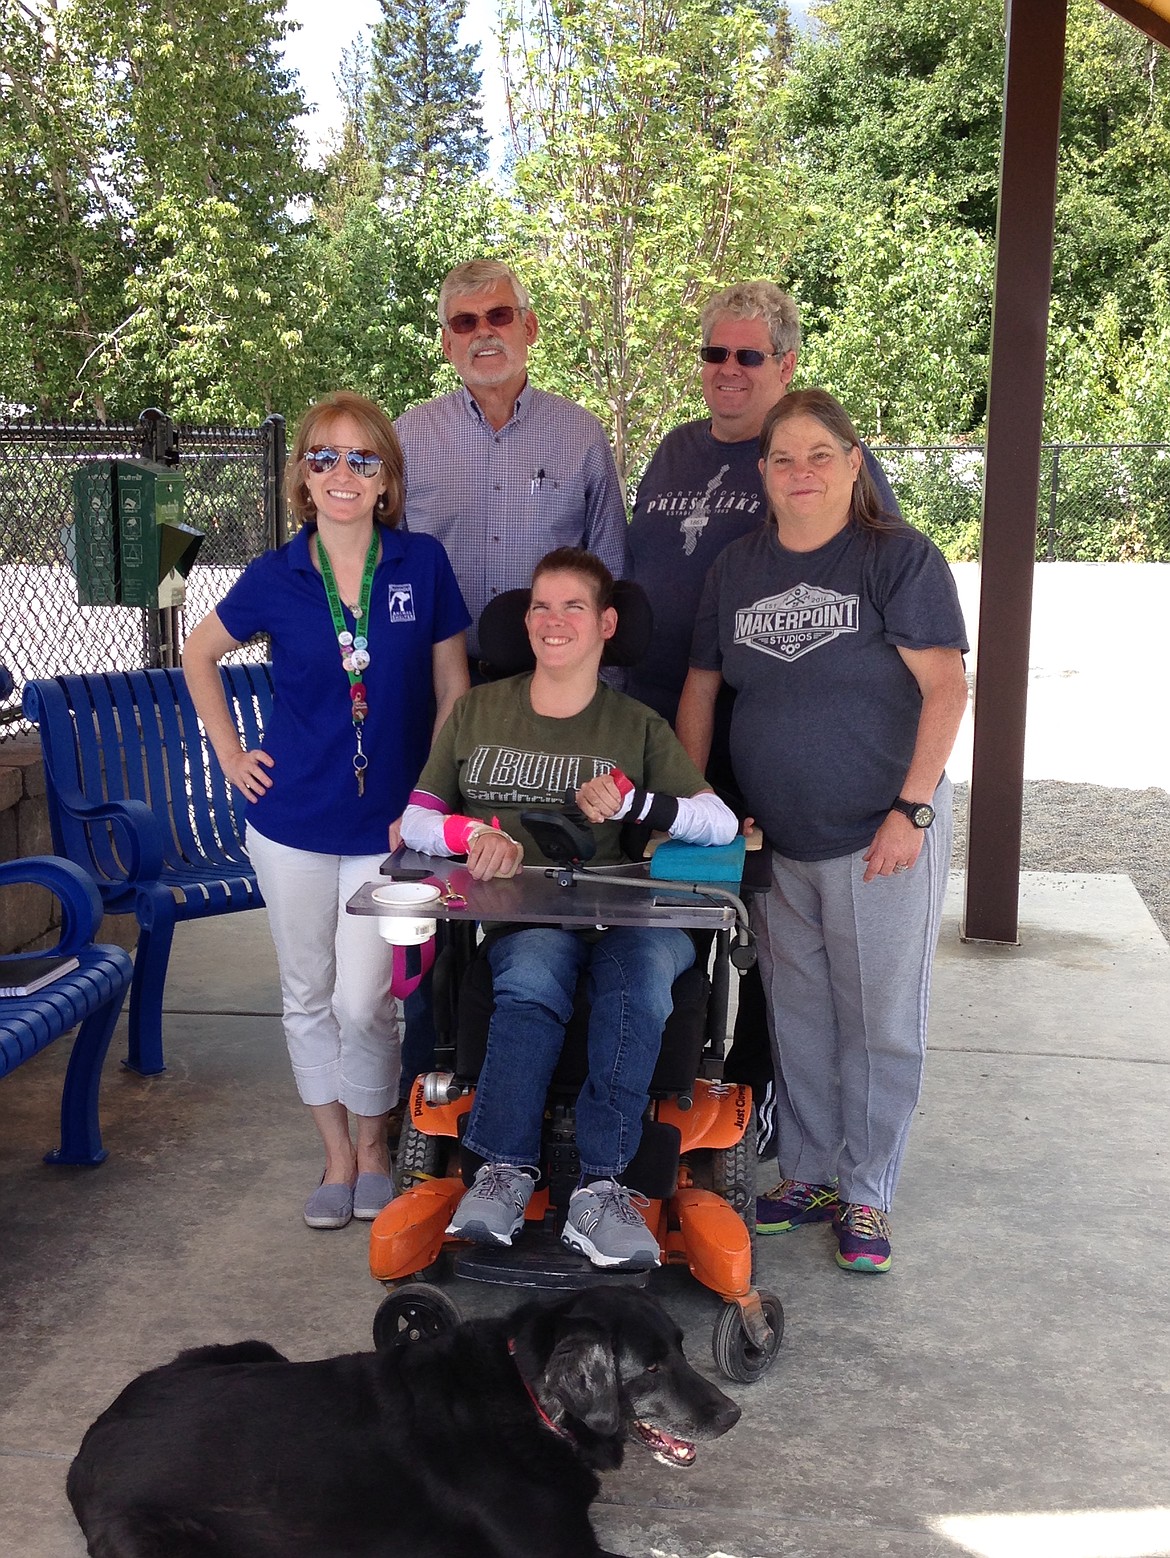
(539,739)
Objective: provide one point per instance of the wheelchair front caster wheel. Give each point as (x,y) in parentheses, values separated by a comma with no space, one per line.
(411,1312)
(736,1355)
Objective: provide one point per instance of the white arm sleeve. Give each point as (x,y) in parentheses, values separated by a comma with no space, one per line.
(702,819)
(422,829)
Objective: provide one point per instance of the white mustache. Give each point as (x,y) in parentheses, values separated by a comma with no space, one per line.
(489,343)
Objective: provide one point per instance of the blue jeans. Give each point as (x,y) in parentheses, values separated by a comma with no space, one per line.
(631,970)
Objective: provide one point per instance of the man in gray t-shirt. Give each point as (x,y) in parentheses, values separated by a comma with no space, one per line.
(702,489)
(700,492)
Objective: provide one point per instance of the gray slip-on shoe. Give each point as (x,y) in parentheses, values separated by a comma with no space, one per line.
(371,1193)
(330,1206)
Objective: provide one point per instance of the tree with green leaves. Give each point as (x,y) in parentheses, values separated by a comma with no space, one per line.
(646,174)
(423,114)
(383,267)
(894,118)
(350,174)
(382,256)
(151,157)
(61,262)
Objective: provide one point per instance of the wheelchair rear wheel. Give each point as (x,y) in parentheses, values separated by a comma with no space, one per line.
(733,1174)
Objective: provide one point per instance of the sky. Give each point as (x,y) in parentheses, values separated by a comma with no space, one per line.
(329,26)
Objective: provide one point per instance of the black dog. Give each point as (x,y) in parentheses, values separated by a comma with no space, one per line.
(483,1442)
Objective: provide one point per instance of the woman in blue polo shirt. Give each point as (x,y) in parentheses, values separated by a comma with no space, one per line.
(367,630)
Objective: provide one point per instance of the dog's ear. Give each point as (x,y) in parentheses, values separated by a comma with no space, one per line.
(580,1379)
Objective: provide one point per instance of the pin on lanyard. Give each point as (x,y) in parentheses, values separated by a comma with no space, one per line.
(355,650)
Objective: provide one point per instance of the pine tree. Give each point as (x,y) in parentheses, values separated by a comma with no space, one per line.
(350,175)
(423,110)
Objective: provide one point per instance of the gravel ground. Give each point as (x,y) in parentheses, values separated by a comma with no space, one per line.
(1087,827)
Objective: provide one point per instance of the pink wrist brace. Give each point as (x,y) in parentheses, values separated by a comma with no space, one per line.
(457,831)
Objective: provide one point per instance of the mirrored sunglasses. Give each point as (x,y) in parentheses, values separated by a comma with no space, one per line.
(745,356)
(362,462)
(497,318)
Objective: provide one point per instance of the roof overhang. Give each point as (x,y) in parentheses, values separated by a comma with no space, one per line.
(1151,16)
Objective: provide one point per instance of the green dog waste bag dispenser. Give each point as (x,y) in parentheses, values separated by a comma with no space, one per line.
(132,547)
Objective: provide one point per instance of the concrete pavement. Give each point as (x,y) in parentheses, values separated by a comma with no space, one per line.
(1003,1391)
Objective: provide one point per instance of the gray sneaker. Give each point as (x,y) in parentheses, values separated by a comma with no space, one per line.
(492,1211)
(604,1223)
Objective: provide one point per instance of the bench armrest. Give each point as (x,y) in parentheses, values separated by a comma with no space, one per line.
(139,832)
(81,904)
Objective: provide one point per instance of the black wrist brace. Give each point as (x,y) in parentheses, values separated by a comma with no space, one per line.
(663,810)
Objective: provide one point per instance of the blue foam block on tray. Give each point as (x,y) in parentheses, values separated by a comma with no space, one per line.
(674,861)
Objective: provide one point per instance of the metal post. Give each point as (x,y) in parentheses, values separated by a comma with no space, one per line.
(274,458)
(1015,414)
(1053,493)
(161,629)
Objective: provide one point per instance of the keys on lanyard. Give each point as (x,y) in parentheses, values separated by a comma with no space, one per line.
(360,761)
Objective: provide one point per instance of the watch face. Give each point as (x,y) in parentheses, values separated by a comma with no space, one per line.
(922,816)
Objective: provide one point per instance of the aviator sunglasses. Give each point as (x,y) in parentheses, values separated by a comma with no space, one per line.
(498,317)
(745,356)
(362,462)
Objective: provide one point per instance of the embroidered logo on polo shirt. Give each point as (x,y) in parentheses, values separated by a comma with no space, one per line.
(401,603)
(789,625)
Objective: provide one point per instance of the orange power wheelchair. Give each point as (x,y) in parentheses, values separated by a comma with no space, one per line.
(697,1160)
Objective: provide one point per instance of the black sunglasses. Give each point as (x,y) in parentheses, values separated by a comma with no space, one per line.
(362,462)
(498,317)
(745,356)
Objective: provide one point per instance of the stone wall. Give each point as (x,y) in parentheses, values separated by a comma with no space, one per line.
(30,915)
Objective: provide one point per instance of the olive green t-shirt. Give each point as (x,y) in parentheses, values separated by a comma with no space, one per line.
(494,757)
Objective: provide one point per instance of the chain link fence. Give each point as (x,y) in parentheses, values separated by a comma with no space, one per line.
(233,493)
(1099,503)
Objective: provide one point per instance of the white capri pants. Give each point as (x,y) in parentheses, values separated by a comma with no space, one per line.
(340,1020)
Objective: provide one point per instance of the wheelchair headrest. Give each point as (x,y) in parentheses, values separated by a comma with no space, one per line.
(503,638)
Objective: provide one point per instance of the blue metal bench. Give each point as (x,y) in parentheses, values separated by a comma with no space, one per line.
(90,994)
(139,802)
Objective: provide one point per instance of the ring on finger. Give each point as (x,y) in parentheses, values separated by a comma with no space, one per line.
(901,868)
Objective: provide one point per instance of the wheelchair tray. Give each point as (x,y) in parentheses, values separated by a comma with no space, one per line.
(534,897)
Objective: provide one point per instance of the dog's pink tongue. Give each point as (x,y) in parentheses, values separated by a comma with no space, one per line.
(672,1451)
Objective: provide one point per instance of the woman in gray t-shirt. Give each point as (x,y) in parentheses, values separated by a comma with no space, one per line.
(840,629)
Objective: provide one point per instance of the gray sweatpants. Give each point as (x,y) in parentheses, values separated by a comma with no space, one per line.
(846,970)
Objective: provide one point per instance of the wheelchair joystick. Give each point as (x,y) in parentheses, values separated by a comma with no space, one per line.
(564,837)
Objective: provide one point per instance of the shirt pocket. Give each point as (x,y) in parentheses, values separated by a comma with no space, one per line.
(555,505)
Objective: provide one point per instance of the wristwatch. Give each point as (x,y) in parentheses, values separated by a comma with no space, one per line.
(919,813)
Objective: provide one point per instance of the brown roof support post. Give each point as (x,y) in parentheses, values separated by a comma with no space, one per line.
(1015,415)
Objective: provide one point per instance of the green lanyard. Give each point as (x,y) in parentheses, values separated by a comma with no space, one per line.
(355,646)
